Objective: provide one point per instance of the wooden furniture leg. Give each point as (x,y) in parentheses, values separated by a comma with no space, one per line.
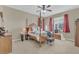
(26,36)
(22,38)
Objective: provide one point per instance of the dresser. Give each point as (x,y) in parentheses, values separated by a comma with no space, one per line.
(6,44)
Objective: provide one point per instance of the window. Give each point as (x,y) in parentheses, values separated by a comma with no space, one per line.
(58,24)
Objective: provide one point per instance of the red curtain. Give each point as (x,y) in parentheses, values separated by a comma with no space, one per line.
(50,25)
(66,24)
(43,25)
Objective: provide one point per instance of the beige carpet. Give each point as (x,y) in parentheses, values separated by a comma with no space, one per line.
(31,47)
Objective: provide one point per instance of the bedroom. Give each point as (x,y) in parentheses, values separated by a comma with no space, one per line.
(17,17)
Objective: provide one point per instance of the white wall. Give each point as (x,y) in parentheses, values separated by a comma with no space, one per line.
(15,20)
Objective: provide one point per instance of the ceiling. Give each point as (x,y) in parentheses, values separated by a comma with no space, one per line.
(33,9)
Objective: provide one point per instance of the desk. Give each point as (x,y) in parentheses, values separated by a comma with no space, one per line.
(57,36)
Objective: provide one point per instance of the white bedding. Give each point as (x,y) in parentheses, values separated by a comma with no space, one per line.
(36,35)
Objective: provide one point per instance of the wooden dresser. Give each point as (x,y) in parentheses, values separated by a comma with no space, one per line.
(6,44)
(77,34)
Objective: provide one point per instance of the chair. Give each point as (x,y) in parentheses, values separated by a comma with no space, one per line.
(50,39)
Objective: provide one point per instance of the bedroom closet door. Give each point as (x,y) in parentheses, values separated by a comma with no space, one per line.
(77,34)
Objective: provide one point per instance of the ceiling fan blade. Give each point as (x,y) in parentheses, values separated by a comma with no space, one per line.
(48,6)
(39,6)
(49,10)
(43,7)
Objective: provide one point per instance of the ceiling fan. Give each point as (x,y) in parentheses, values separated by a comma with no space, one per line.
(45,8)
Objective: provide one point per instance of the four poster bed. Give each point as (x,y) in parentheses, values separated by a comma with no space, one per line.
(41,39)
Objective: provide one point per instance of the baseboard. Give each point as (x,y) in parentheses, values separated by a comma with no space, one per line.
(68,39)
(16,40)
